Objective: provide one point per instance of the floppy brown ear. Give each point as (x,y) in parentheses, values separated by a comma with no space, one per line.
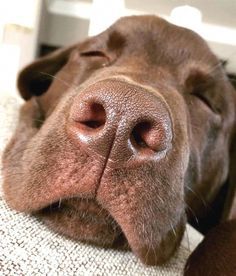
(230,204)
(216,254)
(230,208)
(35,78)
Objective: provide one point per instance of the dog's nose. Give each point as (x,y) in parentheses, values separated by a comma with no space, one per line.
(120,121)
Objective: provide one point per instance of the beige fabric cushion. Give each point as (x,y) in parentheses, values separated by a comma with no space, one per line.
(28,247)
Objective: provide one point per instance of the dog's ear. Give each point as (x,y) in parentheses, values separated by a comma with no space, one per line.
(215,255)
(230,205)
(36,78)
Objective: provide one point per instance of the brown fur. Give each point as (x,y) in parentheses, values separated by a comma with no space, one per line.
(121,136)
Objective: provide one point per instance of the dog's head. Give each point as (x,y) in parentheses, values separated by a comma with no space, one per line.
(115,133)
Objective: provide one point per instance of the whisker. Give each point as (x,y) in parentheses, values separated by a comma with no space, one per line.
(59,203)
(173,229)
(197,195)
(193,213)
(74,86)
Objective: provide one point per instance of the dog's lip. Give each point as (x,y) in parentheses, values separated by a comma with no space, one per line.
(87,220)
(105,219)
(64,204)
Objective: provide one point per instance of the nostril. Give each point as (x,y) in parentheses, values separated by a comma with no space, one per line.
(148,136)
(138,134)
(96,116)
(92,117)
(93,124)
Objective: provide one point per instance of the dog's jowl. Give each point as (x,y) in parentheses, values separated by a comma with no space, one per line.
(120,136)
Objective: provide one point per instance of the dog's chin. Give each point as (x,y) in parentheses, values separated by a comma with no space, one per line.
(86,221)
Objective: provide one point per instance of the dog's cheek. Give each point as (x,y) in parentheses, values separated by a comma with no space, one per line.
(25,130)
(13,153)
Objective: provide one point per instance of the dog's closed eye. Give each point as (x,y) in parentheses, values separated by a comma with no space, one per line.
(97,56)
(202,86)
(93,54)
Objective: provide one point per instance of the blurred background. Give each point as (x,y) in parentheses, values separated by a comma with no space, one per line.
(32,28)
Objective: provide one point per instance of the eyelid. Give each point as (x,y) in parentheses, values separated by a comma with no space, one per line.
(203,99)
(97,55)
(207,102)
(93,54)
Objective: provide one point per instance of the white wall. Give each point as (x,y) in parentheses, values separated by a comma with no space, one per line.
(18,38)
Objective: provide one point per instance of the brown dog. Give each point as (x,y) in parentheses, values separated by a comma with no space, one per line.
(133,129)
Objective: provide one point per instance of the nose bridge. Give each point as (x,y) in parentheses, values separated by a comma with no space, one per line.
(131,122)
